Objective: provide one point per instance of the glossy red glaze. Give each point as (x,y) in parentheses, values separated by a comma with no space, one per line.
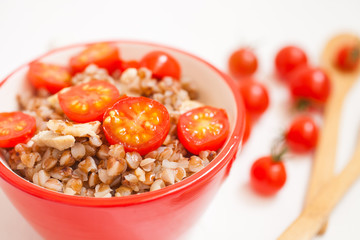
(163,214)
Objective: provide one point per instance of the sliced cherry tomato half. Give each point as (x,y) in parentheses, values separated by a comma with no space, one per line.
(88,101)
(49,76)
(203,128)
(161,64)
(267,176)
(16,127)
(104,55)
(138,123)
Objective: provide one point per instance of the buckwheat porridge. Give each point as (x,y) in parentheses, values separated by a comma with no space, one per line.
(85,132)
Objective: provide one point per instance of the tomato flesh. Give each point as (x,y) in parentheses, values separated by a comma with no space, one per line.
(161,64)
(267,176)
(88,101)
(138,123)
(16,127)
(203,128)
(104,55)
(49,76)
(302,135)
(242,62)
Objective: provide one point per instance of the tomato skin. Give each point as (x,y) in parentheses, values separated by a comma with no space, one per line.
(248,128)
(311,84)
(161,64)
(125,110)
(255,96)
(16,127)
(104,55)
(128,64)
(267,176)
(95,100)
(288,59)
(302,135)
(49,76)
(200,120)
(348,58)
(243,62)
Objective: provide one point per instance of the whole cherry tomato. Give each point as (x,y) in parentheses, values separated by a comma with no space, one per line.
(203,128)
(311,84)
(49,76)
(161,64)
(16,127)
(302,135)
(255,96)
(88,101)
(243,62)
(267,176)
(138,123)
(348,57)
(104,55)
(288,59)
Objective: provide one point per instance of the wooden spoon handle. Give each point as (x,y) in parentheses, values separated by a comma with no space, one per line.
(315,214)
(324,160)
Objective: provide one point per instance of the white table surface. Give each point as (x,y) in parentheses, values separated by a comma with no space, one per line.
(211,30)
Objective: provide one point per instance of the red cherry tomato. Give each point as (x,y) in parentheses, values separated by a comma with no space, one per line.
(348,57)
(203,128)
(310,84)
(302,135)
(161,64)
(128,64)
(288,59)
(267,176)
(242,63)
(140,124)
(104,55)
(49,76)
(248,128)
(16,127)
(88,101)
(255,96)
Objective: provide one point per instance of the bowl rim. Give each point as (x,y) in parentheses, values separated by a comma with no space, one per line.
(225,155)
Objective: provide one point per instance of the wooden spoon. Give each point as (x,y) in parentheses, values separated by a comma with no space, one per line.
(316,213)
(324,160)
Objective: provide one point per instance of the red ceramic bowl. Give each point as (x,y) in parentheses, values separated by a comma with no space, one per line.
(163,214)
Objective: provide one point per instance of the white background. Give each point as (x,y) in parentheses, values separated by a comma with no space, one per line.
(211,30)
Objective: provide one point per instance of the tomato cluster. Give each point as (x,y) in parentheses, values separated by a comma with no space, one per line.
(242,65)
(310,88)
